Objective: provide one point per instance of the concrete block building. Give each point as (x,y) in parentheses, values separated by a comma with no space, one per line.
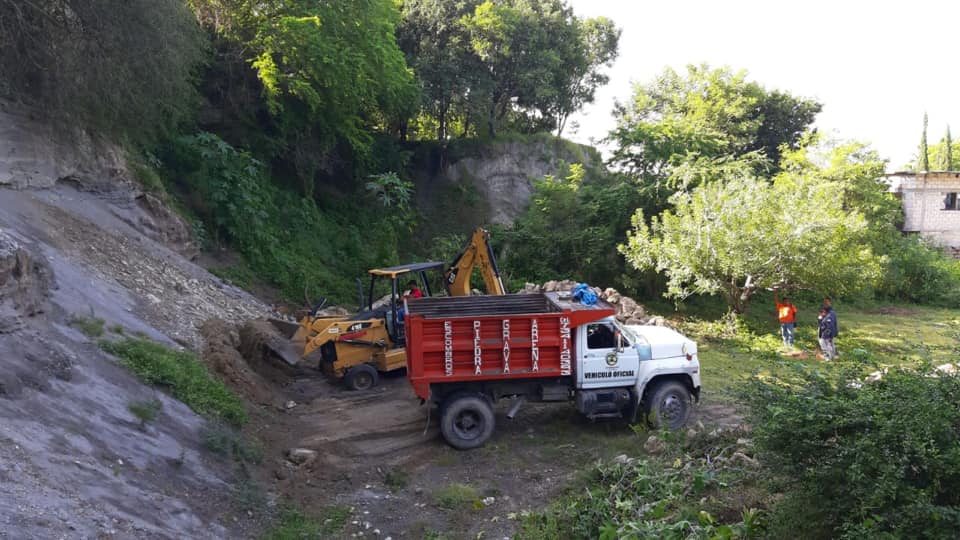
(931,205)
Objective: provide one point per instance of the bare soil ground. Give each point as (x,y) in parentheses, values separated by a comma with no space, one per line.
(380,455)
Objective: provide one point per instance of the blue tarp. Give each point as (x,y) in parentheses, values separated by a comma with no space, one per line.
(583,293)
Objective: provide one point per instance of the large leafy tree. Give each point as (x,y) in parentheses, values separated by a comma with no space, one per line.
(738,234)
(438,49)
(704,113)
(327,75)
(542,62)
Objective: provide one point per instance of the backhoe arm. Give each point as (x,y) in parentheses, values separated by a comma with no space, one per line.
(477,252)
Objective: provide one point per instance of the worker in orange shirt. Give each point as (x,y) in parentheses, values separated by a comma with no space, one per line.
(787,313)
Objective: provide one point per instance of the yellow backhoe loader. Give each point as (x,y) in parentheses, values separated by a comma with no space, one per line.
(478,253)
(358,348)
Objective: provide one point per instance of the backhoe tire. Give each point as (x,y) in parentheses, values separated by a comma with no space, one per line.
(361,377)
(467,421)
(668,405)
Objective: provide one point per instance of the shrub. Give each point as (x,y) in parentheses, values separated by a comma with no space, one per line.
(182,375)
(228,442)
(90,326)
(146,411)
(456,496)
(862,460)
(918,272)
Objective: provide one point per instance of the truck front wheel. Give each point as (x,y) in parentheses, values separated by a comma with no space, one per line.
(467,422)
(668,405)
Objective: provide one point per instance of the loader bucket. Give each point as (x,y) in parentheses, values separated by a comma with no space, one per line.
(280,344)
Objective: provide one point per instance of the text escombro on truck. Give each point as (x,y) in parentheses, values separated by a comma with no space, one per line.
(465,353)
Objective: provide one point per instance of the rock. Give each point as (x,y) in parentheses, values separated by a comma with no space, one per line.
(627,305)
(744,442)
(301,456)
(633,320)
(289,405)
(550,286)
(610,295)
(153,298)
(654,445)
(281,474)
(691,433)
(487,501)
(622,459)
(745,459)
(949,369)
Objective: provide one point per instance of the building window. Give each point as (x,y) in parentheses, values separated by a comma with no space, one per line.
(950,201)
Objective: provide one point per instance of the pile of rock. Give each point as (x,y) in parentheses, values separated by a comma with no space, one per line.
(628,310)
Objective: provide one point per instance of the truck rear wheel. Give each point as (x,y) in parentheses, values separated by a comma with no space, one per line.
(361,377)
(467,421)
(668,405)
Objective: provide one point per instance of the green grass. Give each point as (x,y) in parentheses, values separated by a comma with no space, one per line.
(90,326)
(871,337)
(292,524)
(182,375)
(456,497)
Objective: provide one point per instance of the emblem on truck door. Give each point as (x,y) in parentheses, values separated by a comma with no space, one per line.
(612,359)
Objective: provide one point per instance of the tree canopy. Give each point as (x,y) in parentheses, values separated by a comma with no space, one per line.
(705,113)
(738,234)
(529,64)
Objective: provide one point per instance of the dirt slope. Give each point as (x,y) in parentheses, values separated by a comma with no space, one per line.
(74,462)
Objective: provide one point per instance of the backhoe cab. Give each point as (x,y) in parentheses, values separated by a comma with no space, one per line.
(477,253)
(357,348)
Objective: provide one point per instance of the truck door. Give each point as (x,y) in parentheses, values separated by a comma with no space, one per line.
(602,363)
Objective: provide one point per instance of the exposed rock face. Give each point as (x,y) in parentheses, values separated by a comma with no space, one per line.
(500,176)
(24,282)
(35,155)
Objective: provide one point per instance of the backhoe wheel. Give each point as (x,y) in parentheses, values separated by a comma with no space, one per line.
(668,405)
(467,421)
(361,377)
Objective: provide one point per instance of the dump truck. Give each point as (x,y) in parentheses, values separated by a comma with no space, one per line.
(466,353)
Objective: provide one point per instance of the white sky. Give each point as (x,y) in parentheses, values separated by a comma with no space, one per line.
(875,66)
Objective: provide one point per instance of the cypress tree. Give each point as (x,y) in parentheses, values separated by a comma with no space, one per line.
(924,164)
(949,150)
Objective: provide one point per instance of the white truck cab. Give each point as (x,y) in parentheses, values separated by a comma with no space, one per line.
(628,367)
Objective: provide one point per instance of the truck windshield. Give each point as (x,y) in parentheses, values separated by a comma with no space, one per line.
(631,337)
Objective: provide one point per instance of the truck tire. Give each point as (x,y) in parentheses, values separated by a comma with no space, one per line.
(467,421)
(361,377)
(668,405)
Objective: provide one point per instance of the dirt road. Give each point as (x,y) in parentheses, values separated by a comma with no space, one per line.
(379,460)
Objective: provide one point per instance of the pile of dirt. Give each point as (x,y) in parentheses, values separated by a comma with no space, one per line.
(223,356)
(629,311)
(24,284)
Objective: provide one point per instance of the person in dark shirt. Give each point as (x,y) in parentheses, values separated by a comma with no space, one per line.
(827,332)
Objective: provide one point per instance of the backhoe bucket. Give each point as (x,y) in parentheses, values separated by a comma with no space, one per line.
(281,345)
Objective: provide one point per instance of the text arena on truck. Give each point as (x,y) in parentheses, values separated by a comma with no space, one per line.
(466,353)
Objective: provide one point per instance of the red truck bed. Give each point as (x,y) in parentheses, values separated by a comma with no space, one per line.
(475,338)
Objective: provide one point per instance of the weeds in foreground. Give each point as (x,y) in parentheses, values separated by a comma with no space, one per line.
(292,524)
(456,497)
